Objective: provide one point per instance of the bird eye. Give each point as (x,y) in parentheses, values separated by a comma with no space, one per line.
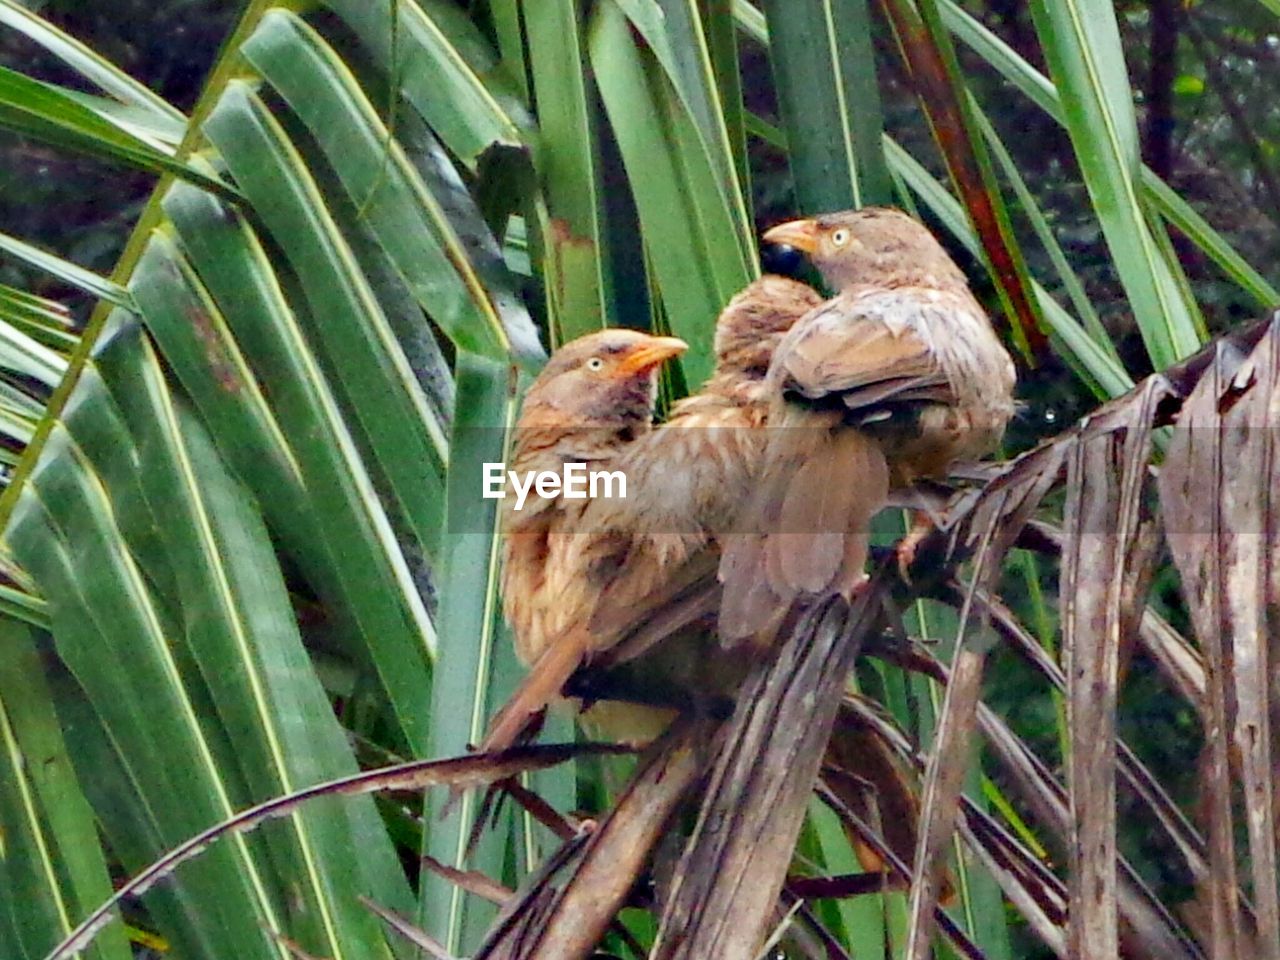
(595,363)
(840,237)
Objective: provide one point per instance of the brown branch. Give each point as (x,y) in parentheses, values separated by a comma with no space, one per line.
(734,866)
(615,854)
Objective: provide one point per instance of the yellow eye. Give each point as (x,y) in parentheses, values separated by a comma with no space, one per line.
(595,363)
(840,237)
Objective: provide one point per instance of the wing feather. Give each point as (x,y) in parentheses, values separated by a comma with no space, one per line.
(865,347)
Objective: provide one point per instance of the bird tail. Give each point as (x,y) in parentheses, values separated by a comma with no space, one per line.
(541,685)
(807,530)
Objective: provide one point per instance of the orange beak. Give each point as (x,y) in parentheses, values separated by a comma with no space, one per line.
(650,354)
(803,235)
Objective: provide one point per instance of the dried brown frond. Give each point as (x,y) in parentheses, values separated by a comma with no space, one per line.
(737,858)
(612,857)
(1222,518)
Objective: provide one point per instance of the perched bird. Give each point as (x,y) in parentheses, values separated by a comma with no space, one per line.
(594,397)
(648,558)
(896,377)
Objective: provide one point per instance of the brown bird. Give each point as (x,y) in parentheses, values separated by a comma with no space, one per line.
(893,379)
(594,397)
(647,558)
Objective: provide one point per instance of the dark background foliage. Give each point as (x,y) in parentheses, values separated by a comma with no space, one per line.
(77,205)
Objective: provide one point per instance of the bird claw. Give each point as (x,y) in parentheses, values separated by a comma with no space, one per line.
(909,546)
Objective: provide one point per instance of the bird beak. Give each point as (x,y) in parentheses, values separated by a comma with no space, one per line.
(801,234)
(649,355)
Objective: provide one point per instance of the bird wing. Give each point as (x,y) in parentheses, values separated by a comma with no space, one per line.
(682,596)
(685,479)
(866,348)
(630,571)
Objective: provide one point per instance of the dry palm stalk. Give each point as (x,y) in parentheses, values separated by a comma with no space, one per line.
(614,855)
(993,521)
(945,772)
(523,915)
(1135,775)
(1189,488)
(1106,558)
(1216,488)
(734,866)
(1180,663)
(472,882)
(1037,894)
(1146,929)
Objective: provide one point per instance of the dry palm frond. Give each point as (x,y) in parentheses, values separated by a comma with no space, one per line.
(736,862)
(1220,513)
(615,853)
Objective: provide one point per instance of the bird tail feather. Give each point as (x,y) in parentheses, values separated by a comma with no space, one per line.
(541,686)
(807,531)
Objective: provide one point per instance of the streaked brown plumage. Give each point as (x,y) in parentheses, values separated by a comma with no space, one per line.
(690,477)
(594,397)
(689,480)
(895,378)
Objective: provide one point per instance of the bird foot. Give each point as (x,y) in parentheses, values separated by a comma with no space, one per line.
(909,545)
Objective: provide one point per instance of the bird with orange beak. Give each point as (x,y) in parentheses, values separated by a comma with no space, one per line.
(895,378)
(594,397)
(647,561)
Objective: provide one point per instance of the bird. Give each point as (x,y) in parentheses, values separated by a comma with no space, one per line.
(595,396)
(633,560)
(895,378)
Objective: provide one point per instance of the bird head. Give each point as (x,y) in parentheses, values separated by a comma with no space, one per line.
(751,326)
(604,379)
(874,245)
